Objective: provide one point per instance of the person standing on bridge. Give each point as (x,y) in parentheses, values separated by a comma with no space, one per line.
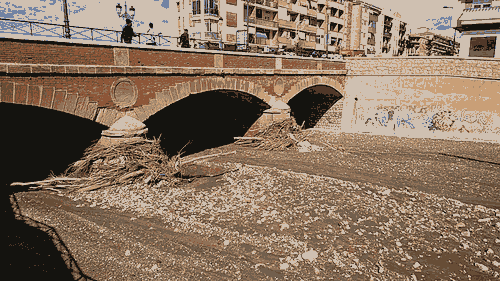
(128,32)
(185,39)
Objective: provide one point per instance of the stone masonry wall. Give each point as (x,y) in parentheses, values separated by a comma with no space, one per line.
(418,91)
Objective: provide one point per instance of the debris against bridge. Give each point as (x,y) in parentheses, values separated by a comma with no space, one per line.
(278,135)
(282,135)
(137,160)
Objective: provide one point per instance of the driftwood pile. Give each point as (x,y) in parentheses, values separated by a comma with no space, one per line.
(279,135)
(137,160)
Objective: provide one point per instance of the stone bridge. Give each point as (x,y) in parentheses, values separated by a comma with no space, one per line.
(103,82)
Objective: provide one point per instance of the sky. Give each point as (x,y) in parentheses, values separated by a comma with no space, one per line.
(89,13)
(102,13)
(425,13)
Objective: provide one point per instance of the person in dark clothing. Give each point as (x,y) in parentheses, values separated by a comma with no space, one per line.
(185,39)
(128,32)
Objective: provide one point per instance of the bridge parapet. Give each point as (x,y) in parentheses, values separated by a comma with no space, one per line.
(424,66)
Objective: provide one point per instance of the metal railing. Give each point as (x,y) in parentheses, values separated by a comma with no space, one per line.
(262,22)
(267,3)
(212,35)
(32,28)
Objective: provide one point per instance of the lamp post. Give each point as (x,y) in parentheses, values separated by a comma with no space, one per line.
(454,34)
(220,33)
(248,35)
(66,21)
(125,15)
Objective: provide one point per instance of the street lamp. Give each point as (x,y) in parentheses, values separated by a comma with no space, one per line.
(454,35)
(66,21)
(125,15)
(220,33)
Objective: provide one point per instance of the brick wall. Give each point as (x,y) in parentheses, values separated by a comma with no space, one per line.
(13,51)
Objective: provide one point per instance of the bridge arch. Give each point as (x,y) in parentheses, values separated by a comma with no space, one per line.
(316,102)
(200,86)
(312,81)
(48,97)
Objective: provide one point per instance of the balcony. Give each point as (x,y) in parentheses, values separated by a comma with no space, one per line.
(335,5)
(372,30)
(307,44)
(285,4)
(261,41)
(283,40)
(311,12)
(287,24)
(307,28)
(262,22)
(268,3)
(212,36)
(388,23)
(387,34)
(299,9)
(319,47)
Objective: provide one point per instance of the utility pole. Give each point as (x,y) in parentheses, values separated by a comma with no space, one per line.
(66,21)
(327,39)
(248,35)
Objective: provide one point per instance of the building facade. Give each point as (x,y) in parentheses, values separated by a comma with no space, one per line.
(304,27)
(480,27)
(308,27)
(423,42)
(373,31)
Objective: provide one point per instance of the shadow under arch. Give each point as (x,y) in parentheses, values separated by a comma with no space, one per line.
(34,142)
(309,105)
(206,120)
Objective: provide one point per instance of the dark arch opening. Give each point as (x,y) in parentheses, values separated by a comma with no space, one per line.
(207,120)
(33,142)
(308,106)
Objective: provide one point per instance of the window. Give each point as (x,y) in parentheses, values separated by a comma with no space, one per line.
(477,6)
(231,19)
(212,7)
(196,7)
(486,5)
(482,46)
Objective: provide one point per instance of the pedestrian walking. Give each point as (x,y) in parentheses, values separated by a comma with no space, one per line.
(127,32)
(150,31)
(185,39)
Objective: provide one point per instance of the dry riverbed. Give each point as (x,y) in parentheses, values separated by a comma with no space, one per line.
(258,222)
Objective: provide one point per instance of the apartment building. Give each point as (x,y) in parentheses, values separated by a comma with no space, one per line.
(480,27)
(301,26)
(423,42)
(373,31)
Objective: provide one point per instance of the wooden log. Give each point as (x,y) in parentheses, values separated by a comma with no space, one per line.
(207,156)
(46,181)
(248,138)
(129,175)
